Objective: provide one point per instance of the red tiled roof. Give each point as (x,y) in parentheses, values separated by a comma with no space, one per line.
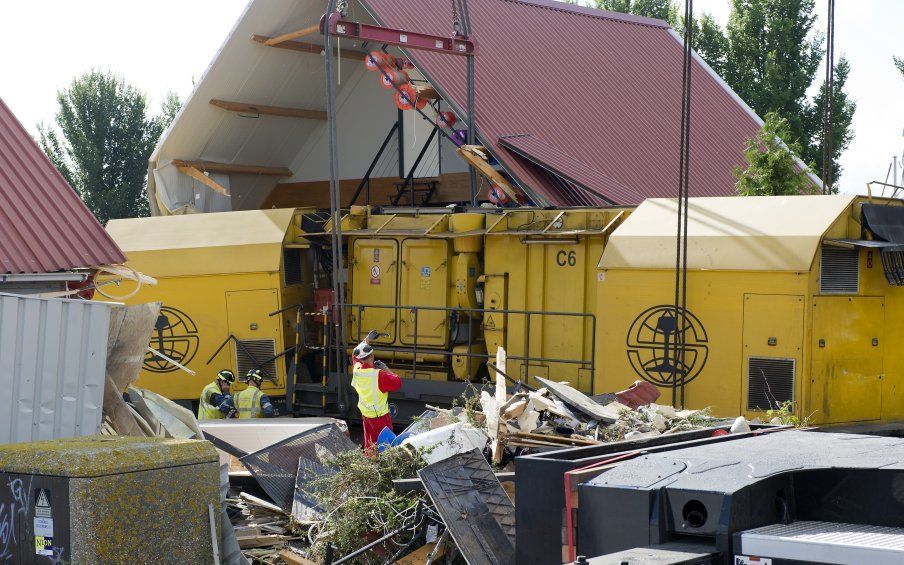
(600,87)
(44,226)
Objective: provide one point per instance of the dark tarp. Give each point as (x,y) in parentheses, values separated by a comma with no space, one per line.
(886,222)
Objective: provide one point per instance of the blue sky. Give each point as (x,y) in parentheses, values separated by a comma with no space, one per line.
(163,45)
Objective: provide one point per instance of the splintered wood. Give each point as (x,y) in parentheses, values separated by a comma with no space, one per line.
(498,446)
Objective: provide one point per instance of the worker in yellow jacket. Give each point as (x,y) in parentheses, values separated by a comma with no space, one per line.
(216,402)
(373,381)
(251,402)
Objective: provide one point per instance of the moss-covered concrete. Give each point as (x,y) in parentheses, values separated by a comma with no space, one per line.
(157,516)
(97,456)
(130,500)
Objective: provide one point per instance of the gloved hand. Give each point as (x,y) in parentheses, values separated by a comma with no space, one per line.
(381,365)
(371,336)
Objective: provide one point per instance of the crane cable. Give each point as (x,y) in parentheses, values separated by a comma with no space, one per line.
(828,95)
(684,161)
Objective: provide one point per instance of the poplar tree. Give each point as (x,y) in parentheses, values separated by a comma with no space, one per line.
(101,140)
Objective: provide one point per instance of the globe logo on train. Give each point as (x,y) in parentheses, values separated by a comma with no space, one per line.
(651,346)
(176,336)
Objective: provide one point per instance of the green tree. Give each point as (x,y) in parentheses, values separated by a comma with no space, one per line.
(660,9)
(709,42)
(842,115)
(770,54)
(101,142)
(774,57)
(900,64)
(771,168)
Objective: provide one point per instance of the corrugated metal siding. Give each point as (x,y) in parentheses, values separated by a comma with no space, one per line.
(53,356)
(44,226)
(603,87)
(570,168)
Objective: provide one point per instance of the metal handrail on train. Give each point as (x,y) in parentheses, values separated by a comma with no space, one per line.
(526,358)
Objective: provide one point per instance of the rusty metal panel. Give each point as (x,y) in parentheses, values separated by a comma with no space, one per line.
(53,355)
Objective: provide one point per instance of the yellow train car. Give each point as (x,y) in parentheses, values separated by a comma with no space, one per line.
(447,288)
(789,300)
(219,277)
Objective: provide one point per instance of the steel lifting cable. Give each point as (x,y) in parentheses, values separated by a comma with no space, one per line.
(335,215)
(472,103)
(828,96)
(684,161)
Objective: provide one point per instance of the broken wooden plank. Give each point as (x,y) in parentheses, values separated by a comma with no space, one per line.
(194,173)
(582,402)
(255,501)
(426,91)
(265,110)
(476,156)
(570,440)
(214,167)
(515,410)
(415,484)
(419,556)
(498,446)
(314,48)
(292,35)
(289,557)
(262,540)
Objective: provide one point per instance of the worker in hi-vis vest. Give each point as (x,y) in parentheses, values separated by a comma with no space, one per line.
(251,402)
(373,382)
(216,402)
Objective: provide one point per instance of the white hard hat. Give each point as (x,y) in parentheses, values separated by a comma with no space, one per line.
(363,350)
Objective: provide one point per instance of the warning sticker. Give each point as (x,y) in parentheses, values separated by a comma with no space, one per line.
(374,281)
(42,503)
(43,523)
(750,560)
(44,527)
(43,546)
(425,272)
(489,324)
(375,271)
(376,255)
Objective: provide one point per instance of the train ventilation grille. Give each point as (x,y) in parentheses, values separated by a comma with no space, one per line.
(839,271)
(251,354)
(292,266)
(770,382)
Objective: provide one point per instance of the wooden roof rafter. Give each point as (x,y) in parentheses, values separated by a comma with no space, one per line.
(232,168)
(304,47)
(265,110)
(292,35)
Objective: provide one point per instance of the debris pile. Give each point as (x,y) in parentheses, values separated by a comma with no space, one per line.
(257,522)
(315,497)
(558,415)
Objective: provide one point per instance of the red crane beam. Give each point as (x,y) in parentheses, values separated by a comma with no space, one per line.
(341,27)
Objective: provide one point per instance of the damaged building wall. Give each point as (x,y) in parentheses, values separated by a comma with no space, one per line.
(52,367)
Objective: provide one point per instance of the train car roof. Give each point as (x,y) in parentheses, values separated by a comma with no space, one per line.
(204,244)
(755,233)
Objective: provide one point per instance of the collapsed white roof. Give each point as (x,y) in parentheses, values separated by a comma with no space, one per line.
(246,71)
